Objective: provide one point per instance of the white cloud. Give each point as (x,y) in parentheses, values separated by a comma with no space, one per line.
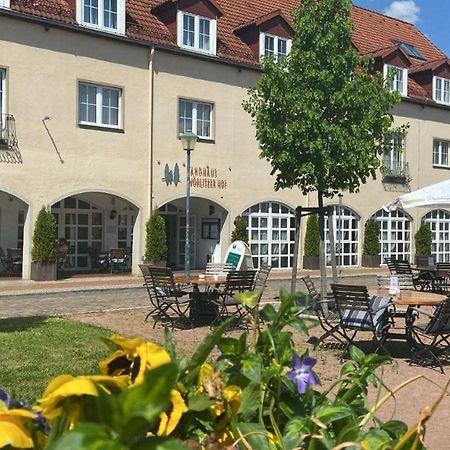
(406,10)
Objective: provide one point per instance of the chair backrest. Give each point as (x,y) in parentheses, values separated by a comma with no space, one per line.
(117,253)
(14,254)
(390,262)
(351,297)
(402,267)
(240,280)
(261,277)
(311,287)
(145,272)
(220,269)
(440,322)
(404,281)
(443,269)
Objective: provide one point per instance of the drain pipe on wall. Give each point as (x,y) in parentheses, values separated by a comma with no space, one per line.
(150,130)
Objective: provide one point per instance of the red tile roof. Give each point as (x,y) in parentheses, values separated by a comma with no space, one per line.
(373,32)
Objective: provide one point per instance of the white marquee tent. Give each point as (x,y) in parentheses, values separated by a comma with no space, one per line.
(437,195)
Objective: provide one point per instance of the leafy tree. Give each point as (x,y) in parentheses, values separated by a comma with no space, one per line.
(45,247)
(321,113)
(423,240)
(312,238)
(240,232)
(155,241)
(371,244)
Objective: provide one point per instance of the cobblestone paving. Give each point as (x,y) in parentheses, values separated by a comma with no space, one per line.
(62,303)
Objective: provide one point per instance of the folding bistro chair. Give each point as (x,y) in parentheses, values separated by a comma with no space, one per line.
(431,338)
(359,312)
(329,326)
(165,296)
(218,269)
(441,283)
(237,281)
(420,281)
(118,260)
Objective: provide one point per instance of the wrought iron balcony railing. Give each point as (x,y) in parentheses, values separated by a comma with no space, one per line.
(8,139)
(396,173)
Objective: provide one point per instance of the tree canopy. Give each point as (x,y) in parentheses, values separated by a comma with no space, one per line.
(321,113)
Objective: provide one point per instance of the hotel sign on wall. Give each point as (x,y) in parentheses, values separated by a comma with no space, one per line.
(201,177)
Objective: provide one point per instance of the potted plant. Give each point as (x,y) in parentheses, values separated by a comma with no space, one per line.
(371,247)
(240,232)
(156,240)
(423,240)
(312,244)
(45,248)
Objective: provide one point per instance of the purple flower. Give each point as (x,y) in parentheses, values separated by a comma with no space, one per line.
(4,397)
(302,374)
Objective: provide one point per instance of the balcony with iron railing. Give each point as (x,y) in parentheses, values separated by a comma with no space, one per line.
(8,139)
(395,172)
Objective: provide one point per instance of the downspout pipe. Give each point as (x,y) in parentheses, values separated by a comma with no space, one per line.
(150,129)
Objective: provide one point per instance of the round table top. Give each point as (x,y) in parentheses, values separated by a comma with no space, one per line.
(411,297)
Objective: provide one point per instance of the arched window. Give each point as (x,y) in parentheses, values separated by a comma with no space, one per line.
(439,222)
(346,233)
(271,232)
(395,234)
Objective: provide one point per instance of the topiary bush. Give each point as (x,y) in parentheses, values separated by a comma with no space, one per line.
(371,244)
(45,247)
(312,237)
(155,240)
(240,232)
(423,240)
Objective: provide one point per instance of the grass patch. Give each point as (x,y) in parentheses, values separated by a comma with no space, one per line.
(34,350)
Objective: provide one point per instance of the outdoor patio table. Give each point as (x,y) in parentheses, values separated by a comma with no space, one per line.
(410,298)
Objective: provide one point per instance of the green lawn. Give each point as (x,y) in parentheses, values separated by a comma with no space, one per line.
(34,350)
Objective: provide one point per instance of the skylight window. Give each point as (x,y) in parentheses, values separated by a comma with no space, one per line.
(410,50)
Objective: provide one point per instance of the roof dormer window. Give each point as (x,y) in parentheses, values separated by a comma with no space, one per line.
(196,32)
(274,46)
(397,78)
(441,90)
(105,15)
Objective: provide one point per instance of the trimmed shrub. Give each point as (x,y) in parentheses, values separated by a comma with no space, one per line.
(312,237)
(45,247)
(371,245)
(423,240)
(155,240)
(240,232)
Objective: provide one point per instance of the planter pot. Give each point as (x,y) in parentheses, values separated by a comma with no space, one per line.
(43,271)
(371,260)
(425,260)
(311,262)
(162,263)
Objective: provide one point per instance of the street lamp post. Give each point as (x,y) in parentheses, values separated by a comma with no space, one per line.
(188,141)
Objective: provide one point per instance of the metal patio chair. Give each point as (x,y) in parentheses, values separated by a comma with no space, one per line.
(169,302)
(420,281)
(432,338)
(441,283)
(237,281)
(360,312)
(218,269)
(329,324)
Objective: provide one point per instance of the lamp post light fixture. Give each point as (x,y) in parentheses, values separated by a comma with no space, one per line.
(188,141)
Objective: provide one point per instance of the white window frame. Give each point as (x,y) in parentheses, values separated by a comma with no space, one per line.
(393,160)
(445,82)
(404,71)
(194,117)
(196,47)
(5,4)
(98,104)
(101,10)
(439,223)
(262,42)
(439,153)
(3,91)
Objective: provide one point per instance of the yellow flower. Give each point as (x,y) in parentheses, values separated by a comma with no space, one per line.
(232,394)
(66,386)
(133,358)
(169,419)
(13,428)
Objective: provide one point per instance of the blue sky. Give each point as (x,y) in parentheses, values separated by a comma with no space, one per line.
(432,17)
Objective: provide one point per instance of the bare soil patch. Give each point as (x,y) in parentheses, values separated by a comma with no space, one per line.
(406,406)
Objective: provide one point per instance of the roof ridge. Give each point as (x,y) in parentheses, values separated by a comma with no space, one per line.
(385,15)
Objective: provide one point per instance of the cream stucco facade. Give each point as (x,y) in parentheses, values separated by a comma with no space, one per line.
(102,183)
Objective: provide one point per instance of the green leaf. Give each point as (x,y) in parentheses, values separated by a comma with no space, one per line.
(331,413)
(248,298)
(160,443)
(250,399)
(203,350)
(356,354)
(377,440)
(268,313)
(199,402)
(251,367)
(151,397)
(395,428)
(169,344)
(86,436)
(255,435)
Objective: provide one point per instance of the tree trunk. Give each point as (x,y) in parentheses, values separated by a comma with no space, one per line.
(323,269)
(332,243)
(298,218)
